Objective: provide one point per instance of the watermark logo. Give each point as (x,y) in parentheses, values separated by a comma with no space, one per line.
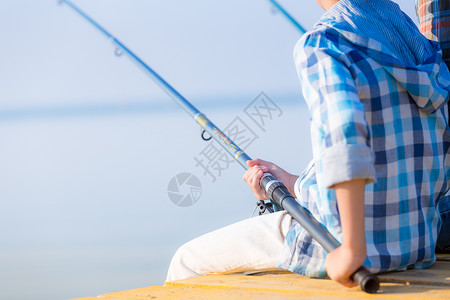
(184,189)
(262,110)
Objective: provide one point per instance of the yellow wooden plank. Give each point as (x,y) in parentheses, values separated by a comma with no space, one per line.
(432,283)
(187,292)
(317,288)
(438,274)
(310,291)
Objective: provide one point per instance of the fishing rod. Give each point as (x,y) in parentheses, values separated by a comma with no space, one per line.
(288,16)
(276,190)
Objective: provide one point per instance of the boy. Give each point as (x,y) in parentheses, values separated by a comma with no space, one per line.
(377,92)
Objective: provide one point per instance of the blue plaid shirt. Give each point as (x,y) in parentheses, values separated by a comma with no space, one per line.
(377,93)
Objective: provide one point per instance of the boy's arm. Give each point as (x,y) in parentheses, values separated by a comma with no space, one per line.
(345,260)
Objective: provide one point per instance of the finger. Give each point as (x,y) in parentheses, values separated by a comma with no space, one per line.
(345,281)
(263,162)
(255,177)
(257,185)
(348,283)
(254,170)
(250,174)
(253,162)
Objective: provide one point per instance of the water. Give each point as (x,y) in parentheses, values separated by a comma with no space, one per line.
(84,208)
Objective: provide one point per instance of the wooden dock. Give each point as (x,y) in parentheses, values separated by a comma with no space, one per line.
(431,283)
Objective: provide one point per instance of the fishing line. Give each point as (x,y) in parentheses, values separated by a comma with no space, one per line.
(288,16)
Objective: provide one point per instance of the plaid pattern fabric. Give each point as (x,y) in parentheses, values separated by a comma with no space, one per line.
(378,111)
(434,18)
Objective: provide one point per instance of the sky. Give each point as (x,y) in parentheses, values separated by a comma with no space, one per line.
(209,50)
(89,143)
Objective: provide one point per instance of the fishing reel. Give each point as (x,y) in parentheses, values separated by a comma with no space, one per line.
(263,206)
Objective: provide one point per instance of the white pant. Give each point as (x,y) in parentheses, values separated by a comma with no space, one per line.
(249,246)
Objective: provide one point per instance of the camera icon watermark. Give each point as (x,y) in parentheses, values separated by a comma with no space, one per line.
(184,189)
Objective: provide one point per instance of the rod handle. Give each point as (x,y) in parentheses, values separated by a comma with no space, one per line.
(368,282)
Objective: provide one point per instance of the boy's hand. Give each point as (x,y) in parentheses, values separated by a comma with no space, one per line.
(341,263)
(258,167)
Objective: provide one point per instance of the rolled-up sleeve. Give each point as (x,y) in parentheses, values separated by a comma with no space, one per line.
(339,128)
